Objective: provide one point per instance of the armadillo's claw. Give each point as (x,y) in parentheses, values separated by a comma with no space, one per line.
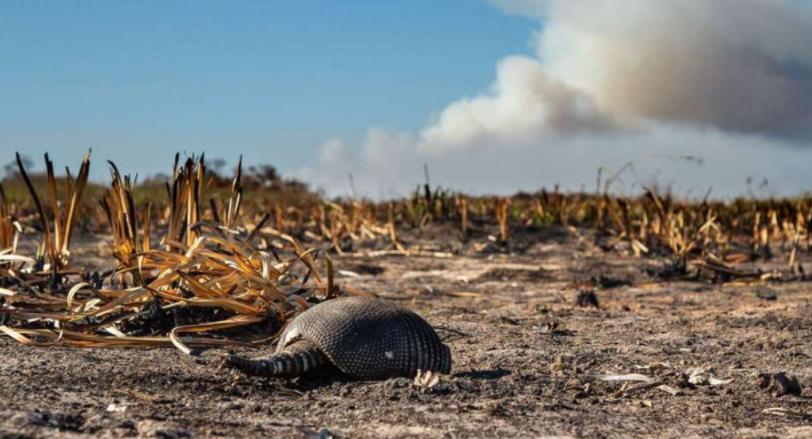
(426,379)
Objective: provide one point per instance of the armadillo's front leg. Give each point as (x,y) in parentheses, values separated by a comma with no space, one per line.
(297,359)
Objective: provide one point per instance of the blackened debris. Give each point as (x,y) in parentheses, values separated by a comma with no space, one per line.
(587,298)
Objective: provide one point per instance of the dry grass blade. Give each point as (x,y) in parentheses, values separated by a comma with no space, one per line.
(16,335)
(40,211)
(75,192)
(234,322)
(502,205)
(9,227)
(54,196)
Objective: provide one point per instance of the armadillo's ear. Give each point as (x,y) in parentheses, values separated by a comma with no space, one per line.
(291,334)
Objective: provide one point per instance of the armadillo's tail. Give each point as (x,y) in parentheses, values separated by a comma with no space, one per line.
(297,359)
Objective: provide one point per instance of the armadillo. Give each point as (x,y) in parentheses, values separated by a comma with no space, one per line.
(363,338)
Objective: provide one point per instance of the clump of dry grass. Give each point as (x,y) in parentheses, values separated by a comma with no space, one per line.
(63,215)
(208,268)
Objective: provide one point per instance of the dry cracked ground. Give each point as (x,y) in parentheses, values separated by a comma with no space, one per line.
(535,355)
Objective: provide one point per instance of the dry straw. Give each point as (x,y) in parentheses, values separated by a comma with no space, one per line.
(206,268)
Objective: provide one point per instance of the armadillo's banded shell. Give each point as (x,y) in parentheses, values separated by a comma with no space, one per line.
(369,338)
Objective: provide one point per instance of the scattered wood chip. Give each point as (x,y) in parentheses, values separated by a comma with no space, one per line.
(116,408)
(463,294)
(139,395)
(780,384)
(663,365)
(781,411)
(348,273)
(713,381)
(698,377)
(628,389)
(635,377)
(549,327)
(668,389)
(587,298)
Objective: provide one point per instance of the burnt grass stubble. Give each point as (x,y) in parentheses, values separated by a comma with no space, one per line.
(535,327)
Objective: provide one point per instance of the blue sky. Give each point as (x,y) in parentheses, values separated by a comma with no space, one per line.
(494,95)
(271,79)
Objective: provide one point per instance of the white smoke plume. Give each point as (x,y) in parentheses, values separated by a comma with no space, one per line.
(613,81)
(524,102)
(738,65)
